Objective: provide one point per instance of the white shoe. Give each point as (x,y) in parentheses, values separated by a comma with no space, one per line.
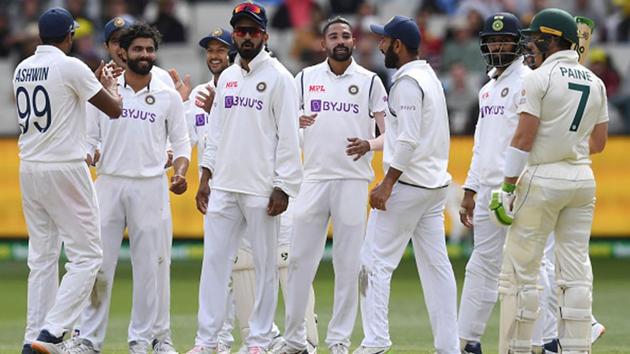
(286,349)
(163,346)
(76,345)
(136,347)
(223,348)
(48,348)
(597,330)
(198,349)
(339,349)
(276,345)
(371,350)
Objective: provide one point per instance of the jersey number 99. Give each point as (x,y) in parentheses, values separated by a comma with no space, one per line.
(37,104)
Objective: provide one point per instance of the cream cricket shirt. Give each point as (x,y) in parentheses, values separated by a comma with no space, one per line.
(197,118)
(51,90)
(253,142)
(569,100)
(417,135)
(497,121)
(344,105)
(134,145)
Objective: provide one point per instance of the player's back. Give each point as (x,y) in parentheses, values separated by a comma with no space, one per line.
(573,101)
(50,91)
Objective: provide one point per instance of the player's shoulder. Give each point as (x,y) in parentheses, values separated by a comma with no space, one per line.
(363,72)
(280,69)
(163,76)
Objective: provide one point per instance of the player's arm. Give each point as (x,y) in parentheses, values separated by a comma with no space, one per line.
(377,105)
(212,135)
(598,138)
(409,113)
(180,143)
(107,99)
(471,185)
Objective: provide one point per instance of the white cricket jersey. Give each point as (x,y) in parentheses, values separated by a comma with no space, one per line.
(253,142)
(197,118)
(51,90)
(416,135)
(134,145)
(497,121)
(569,100)
(162,75)
(344,105)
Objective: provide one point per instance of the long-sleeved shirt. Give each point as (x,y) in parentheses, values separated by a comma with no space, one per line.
(252,144)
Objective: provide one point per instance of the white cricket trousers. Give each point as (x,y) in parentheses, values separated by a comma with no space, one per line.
(480,291)
(344,201)
(229,216)
(415,213)
(544,205)
(60,206)
(137,204)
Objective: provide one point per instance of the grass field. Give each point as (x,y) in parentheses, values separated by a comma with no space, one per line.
(408,318)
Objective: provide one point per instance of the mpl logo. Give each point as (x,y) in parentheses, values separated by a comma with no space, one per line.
(231,84)
(316,88)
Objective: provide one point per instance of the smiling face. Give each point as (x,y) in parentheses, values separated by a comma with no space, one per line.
(217,56)
(248,38)
(140,56)
(113,48)
(338,42)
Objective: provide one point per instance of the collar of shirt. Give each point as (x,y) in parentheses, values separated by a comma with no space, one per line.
(351,69)
(410,65)
(152,86)
(44,48)
(255,63)
(516,64)
(568,55)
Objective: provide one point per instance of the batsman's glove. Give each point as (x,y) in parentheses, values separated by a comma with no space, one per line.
(501,204)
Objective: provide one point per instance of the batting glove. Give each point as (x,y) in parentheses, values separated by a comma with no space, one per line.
(501,204)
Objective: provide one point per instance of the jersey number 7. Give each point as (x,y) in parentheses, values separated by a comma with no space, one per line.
(585,90)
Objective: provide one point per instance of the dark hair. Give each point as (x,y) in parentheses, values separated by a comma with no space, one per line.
(53,40)
(139,30)
(332,21)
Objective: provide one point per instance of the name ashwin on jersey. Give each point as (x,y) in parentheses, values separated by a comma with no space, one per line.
(31,74)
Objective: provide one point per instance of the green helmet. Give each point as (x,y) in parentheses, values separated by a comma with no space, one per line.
(555,22)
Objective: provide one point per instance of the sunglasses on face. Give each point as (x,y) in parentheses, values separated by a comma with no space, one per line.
(252,31)
(247,7)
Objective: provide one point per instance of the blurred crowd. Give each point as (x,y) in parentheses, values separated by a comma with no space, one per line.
(449,42)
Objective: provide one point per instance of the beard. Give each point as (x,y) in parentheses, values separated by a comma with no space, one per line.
(135,66)
(391,59)
(251,52)
(340,53)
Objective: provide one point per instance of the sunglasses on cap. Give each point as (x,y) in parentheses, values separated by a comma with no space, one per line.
(253,8)
(252,31)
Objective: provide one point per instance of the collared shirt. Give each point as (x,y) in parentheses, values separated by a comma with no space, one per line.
(51,90)
(344,105)
(569,100)
(253,134)
(417,136)
(197,118)
(134,145)
(497,121)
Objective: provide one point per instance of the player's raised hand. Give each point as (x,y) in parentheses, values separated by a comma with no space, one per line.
(183,87)
(306,121)
(114,69)
(357,147)
(379,195)
(204,100)
(203,194)
(278,202)
(178,184)
(466,209)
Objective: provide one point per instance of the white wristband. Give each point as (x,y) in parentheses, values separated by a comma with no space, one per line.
(515,161)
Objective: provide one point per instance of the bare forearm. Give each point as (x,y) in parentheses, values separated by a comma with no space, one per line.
(180,165)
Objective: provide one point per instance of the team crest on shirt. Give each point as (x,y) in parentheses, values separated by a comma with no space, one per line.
(505,92)
(353,89)
(149,99)
(261,86)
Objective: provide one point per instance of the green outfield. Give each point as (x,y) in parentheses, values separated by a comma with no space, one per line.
(408,318)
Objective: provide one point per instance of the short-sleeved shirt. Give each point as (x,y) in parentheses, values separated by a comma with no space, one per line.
(569,100)
(51,90)
(344,105)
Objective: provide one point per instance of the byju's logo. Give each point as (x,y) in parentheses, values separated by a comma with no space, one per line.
(316,105)
(229,101)
(323,106)
(246,102)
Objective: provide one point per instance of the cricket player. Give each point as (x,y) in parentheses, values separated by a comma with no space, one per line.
(132,187)
(254,118)
(58,196)
(343,101)
(409,202)
(562,119)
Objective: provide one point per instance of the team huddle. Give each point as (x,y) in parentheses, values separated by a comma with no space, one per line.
(279,158)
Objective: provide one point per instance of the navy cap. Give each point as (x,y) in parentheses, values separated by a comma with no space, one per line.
(220,34)
(252,11)
(116,23)
(56,22)
(400,27)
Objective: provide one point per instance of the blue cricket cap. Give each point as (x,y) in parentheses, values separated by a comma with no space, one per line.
(56,22)
(116,23)
(219,34)
(400,27)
